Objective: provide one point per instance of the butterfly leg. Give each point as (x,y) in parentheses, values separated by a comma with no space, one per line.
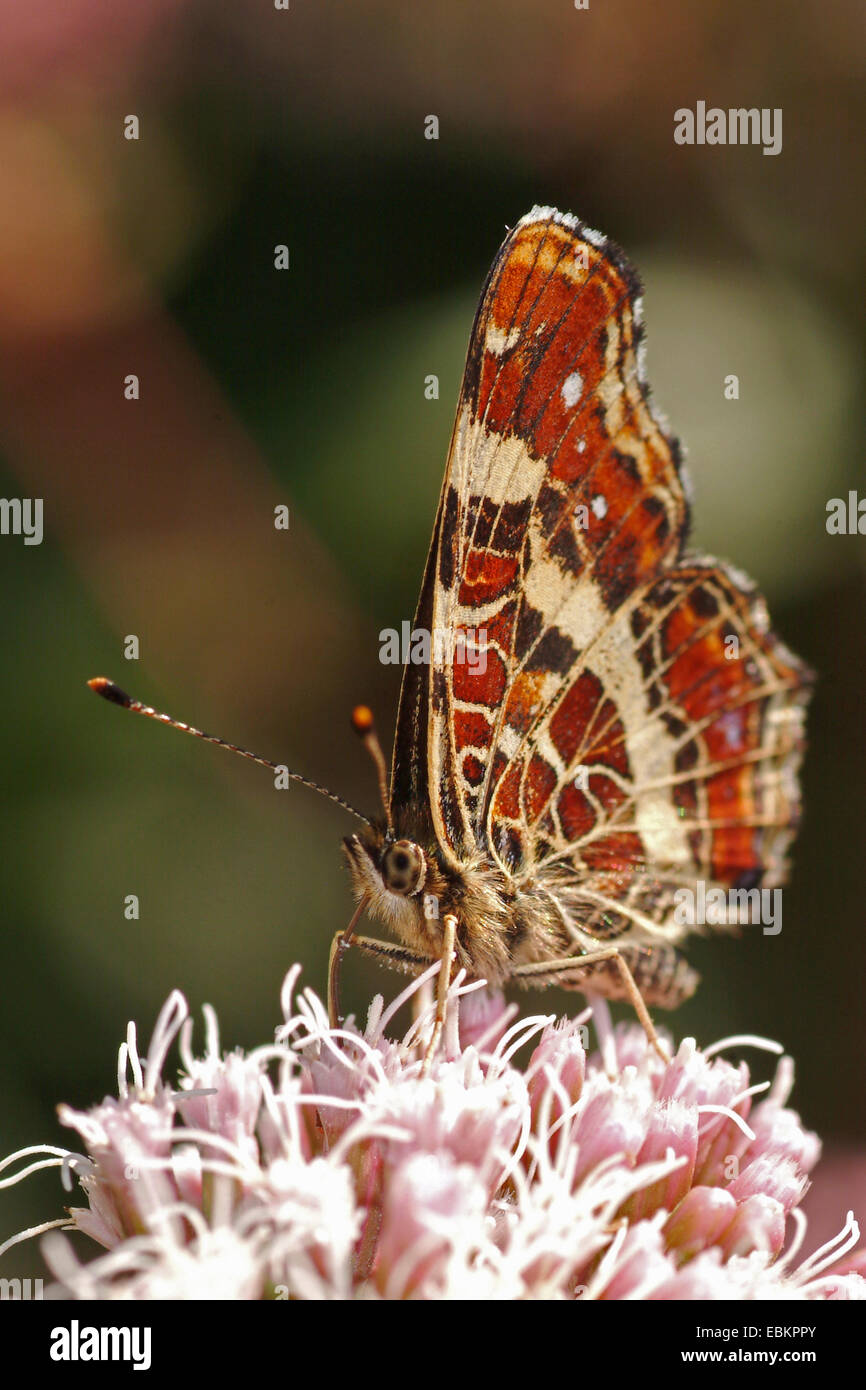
(613,954)
(449,934)
(391,953)
(340,944)
(386,952)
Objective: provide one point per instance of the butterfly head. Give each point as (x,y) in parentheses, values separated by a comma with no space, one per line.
(405,881)
(380,861)
(396,875)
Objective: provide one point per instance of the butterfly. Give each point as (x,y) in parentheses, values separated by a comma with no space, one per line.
(635,727)
(609,721)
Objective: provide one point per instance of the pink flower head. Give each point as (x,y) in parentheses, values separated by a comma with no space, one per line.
(331,1164)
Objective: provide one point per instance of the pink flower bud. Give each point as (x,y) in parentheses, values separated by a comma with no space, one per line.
(779,1131)
(483,1019)
(699,1221)
(613,1122)
(759,1224)
(431,1204)
(770,1176)
(672,1127)
(556,1072)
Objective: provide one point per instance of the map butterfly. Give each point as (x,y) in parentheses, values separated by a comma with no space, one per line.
(637,726)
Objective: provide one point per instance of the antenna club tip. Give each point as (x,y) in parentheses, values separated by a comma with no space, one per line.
(108,690)
(362,720)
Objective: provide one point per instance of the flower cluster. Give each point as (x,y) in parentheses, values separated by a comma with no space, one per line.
(328,1165)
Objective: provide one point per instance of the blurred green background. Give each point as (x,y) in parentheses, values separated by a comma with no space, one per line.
(306,387)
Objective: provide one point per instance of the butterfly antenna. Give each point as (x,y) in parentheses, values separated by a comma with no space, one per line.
(365,727)
(109,691)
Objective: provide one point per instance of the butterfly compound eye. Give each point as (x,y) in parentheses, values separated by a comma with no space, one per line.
(403,868)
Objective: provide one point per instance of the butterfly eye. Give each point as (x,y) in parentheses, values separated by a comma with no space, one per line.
(403,868)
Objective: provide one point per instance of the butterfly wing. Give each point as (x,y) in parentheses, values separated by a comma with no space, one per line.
(601,738)
(552,421)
